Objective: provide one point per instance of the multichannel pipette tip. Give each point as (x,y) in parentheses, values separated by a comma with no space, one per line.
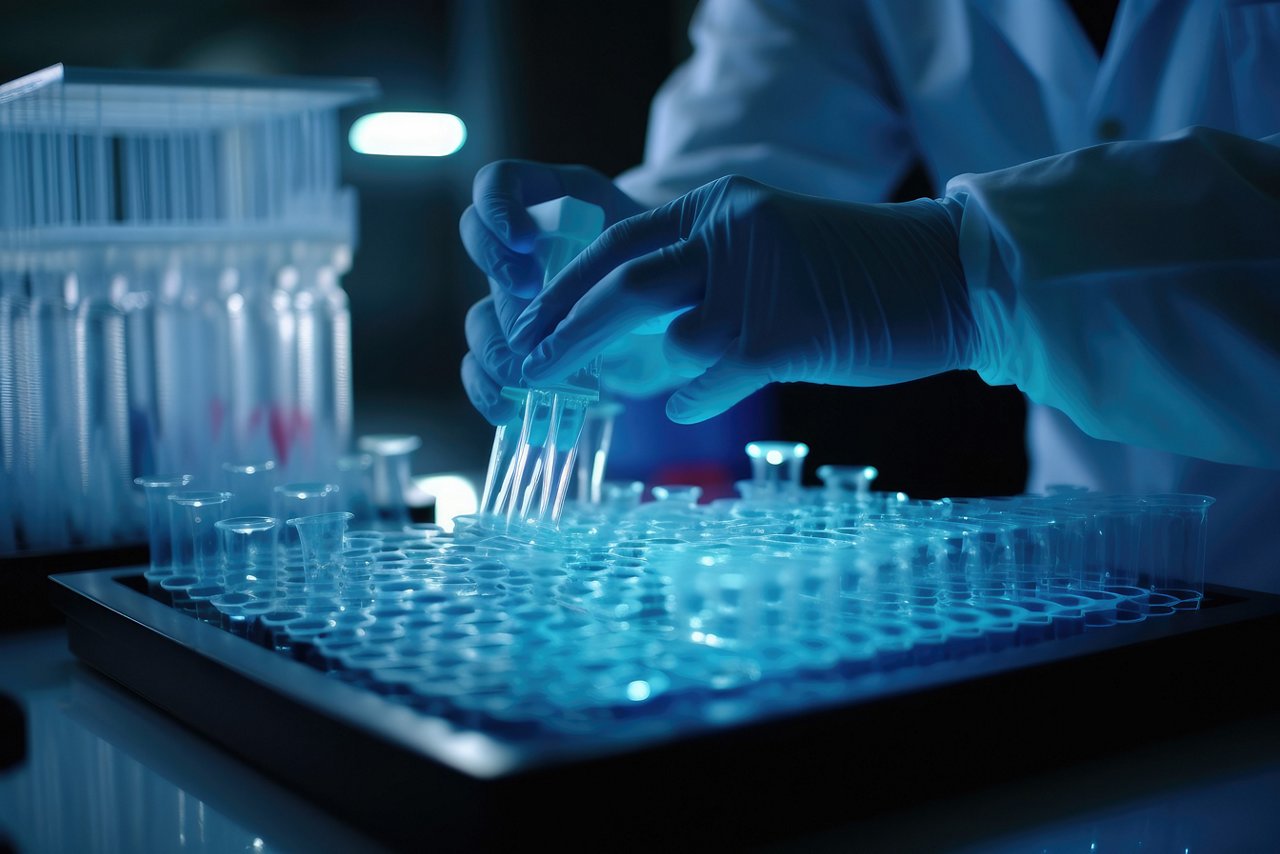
(533,456)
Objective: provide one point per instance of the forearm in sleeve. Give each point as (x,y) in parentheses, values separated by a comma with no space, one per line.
(1136,287)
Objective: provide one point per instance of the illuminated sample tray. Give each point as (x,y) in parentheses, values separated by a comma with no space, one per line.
(741,765)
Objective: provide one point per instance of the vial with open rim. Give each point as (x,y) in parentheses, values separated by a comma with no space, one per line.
(157,488)
(776,466)
(389,482)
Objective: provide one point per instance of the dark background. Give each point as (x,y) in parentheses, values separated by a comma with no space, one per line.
(554,80)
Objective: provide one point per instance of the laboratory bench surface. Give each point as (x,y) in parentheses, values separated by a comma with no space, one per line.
(105,771)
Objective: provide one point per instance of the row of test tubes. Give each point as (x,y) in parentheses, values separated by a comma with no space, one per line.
(630,608)
(236,535)
(120,361)
(171,254)
(1070,537)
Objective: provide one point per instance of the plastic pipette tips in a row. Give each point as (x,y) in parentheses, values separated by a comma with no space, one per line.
(534,456)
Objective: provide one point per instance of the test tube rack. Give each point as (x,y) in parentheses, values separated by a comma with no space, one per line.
(171,248)
(698,762)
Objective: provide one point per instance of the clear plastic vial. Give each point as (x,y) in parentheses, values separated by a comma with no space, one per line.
(157,489)
(323,540)
(252,485)
(389,482)
(249,552)
(776,466)
(193,519)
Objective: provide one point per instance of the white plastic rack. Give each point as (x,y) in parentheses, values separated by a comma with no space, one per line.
(171,248)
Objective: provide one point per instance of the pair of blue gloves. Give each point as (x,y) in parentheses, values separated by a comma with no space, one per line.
(714,295)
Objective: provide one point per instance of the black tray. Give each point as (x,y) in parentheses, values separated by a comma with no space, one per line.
(925,732)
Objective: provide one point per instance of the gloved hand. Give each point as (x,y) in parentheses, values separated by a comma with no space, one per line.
(499,236)
(777,287)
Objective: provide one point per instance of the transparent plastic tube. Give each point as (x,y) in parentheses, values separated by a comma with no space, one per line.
(8,531)
(389,481)
(192,392)
(9,302)
(309,498)
(314,370)
(157,489)
(531,481)
(322,537)
(355,474)
(751,492)
(593,450)
(252,485)
(956,560)
(993,565)
(1066,540)
(1120,521)
(1179,528)
(281,332)
(1030,550)
(193,519)
(620,496)
(249,552)
(322,323)
(509,443)
(336,310)
(847,483)
(98,406)
(138,249)
(677,495)
(568,413)
(40,441)
(776,466)
(533,456)
(247,362)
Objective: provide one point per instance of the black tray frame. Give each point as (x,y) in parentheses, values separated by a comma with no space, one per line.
(413,781)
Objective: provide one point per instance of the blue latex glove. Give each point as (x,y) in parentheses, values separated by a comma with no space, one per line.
(499,236)
(776,287)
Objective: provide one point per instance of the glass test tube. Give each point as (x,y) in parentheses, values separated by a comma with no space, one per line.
(193,517)
(157,489)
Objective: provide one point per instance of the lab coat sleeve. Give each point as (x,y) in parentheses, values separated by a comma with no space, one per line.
(1136,287)
(792,93)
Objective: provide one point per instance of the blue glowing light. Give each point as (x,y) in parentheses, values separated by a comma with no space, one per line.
(408,134)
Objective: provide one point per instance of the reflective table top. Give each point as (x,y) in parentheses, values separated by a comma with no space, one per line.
(105,771)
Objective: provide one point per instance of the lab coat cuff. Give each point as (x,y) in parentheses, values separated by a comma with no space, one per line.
(992,295)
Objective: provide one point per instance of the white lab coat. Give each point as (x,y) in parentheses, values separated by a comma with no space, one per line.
(1101,285)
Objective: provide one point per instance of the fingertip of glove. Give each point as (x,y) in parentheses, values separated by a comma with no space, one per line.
(681,411)
(536,365)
